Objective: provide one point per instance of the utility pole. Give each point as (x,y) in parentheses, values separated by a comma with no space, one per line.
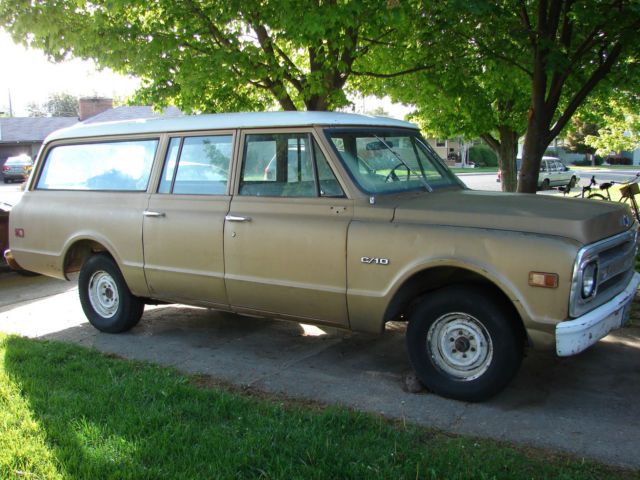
(10,106)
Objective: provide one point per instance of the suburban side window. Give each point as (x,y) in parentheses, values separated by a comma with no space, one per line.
(329,186)
(286,165)
(109,166)
(197,165)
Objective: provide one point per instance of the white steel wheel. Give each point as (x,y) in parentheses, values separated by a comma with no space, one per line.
(105,297)
(464,342)
(103,294)
(460,346)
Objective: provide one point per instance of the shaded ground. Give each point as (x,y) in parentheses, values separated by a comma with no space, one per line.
(585,405)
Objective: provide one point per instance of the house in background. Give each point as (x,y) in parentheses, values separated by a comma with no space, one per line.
(454,151)
(448,150)
(25,134)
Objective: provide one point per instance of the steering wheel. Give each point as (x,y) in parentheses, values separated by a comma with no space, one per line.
(392,177)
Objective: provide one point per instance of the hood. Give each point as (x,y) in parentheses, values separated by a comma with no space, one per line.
(585,221)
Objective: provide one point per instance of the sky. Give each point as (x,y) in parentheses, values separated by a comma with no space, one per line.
(28,77)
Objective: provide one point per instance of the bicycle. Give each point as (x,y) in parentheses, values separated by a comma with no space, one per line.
(628,191)
(585,189)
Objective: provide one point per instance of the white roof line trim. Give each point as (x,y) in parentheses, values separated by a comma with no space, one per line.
(226,121)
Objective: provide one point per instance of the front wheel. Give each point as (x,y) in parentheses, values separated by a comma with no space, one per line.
(596,196)
(463,343)
(105,297)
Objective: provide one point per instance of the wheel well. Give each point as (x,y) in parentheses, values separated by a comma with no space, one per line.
(78,253)
(432,279)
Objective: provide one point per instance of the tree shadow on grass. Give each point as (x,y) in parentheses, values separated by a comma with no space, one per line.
(105,418)
(108,418)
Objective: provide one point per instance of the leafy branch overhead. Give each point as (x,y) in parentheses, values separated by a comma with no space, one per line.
(502,69)
(215,55)
(496,69)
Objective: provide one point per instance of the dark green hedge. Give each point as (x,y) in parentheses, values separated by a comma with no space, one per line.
(483,156)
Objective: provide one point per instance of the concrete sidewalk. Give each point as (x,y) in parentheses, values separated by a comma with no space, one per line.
(585,405)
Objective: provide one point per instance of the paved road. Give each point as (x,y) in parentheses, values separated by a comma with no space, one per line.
(585,405)
(487,181)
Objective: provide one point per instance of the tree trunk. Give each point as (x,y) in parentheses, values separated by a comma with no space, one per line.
(285,102)
(507,150)
(535,143)
(507,154)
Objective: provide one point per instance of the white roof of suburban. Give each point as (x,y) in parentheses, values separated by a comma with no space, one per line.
(226,121)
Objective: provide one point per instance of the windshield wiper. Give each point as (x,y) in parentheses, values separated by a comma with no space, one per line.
(411,170)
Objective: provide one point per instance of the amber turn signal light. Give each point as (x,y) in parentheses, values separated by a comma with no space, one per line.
(546,280)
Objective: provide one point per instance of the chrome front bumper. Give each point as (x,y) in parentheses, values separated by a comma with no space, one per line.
(574,336)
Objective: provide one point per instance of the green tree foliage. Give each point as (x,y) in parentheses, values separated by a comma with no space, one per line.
(57,105)
(619,127)
(498,69)
(579,129)
(460,90)
(214,55)
(571,46)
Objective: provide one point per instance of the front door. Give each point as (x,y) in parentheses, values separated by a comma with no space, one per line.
(285,234)
(184,221)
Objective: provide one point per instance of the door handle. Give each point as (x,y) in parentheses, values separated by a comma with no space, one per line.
(234,218)
(148,213)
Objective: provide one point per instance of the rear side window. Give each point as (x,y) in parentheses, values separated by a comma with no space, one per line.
(286,165)
(197,165)
(19,161)
(109,166)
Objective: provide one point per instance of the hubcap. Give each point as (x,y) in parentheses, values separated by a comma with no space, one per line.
(103,294)
(460,346)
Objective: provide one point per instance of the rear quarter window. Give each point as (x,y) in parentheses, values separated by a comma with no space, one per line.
(111,166)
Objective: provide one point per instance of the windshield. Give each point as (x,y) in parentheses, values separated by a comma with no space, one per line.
(390,160)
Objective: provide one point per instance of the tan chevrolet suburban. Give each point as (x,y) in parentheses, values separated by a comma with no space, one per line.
(327,218)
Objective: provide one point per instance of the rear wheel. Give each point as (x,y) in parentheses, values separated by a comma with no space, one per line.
(105,297)
(546,184)
(572,182)
(463,343)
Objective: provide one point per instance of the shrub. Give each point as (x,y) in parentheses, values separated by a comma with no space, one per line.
(483,156)
(588,163)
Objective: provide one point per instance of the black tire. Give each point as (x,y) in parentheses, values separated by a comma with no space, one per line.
(596,196)
(6,180)
(572,182)
(105,297)
(546,184)
(463,343)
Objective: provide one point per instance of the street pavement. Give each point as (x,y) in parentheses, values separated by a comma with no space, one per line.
(585,405)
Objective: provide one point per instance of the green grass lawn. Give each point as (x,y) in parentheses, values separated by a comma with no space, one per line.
(71,413)
(475,170)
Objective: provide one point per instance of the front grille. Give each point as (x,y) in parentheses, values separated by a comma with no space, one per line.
(616,261)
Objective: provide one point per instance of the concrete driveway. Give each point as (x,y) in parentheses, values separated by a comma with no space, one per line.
(585,405)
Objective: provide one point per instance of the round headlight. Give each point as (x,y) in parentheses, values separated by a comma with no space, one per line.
(589,279)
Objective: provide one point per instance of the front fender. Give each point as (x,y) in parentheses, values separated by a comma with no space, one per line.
(502,258)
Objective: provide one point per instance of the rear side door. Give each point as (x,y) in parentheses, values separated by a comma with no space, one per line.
(545,172)
(184,221)
(285,234)
(564,176)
